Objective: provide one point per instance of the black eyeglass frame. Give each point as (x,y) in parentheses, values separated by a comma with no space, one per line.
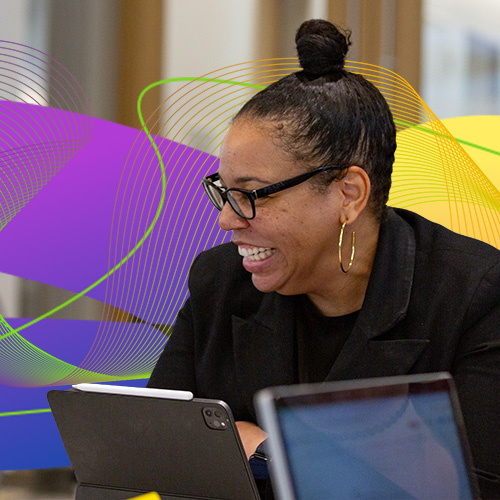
(209,182)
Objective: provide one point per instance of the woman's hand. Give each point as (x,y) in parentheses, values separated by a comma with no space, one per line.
(251,436)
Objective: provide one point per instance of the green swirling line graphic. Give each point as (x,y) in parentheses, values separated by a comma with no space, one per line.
(5,327)
(21,349)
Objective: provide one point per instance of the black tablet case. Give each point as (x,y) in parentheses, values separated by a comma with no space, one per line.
(122,446)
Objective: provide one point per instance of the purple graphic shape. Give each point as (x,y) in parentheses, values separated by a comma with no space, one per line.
(35,143)
(32,441)
(65,339)
(62,236)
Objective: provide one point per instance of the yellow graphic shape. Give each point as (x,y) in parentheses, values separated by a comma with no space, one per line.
(147,496)
(449,172)
(481,136)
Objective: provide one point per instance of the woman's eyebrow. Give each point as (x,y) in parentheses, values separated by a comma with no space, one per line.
(244,180)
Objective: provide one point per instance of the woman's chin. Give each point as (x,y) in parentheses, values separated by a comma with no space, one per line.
(265,272)
(274,283)
(264,284)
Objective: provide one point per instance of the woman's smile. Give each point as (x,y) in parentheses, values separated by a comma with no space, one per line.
(255,253)
(257,259)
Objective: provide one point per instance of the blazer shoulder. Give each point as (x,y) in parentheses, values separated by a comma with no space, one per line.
(456,268)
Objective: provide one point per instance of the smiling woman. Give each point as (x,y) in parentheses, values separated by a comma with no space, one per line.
(323,281)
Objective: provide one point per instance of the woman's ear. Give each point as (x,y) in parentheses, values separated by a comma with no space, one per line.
(355,188)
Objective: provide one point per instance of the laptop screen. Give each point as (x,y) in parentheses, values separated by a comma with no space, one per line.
(350,444)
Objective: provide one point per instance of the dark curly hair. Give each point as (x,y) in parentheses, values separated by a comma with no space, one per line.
(324,115)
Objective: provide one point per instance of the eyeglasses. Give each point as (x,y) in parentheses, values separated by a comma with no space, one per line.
(242,201)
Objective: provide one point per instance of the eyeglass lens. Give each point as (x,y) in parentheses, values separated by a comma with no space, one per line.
(240,202)
(214,195)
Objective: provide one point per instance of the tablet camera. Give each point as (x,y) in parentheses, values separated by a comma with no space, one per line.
(215,418)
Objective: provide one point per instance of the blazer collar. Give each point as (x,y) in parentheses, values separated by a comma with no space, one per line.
(389,288)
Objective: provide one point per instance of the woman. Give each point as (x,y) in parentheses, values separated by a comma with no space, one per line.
(321,280)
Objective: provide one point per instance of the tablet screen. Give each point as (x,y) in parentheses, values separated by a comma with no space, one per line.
(403,446)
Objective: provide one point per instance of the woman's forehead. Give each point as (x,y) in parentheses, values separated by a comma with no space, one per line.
(249,151)
(244,134)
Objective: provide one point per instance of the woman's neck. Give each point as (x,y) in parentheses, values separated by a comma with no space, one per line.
(344,293)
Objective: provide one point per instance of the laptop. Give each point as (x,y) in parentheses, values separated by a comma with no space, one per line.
(124,442)
(374,439)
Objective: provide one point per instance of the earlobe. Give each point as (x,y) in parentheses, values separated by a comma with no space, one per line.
(355,187)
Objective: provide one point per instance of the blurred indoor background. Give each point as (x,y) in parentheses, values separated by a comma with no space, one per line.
(448,50)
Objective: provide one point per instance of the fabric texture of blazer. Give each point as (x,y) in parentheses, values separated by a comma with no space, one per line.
(432,304)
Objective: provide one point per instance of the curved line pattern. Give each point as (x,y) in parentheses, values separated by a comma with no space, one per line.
(162,220)
(36,142)
(191,122)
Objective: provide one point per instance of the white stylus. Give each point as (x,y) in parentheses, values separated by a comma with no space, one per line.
(135,391)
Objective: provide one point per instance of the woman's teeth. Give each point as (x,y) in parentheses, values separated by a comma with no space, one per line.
(256,253)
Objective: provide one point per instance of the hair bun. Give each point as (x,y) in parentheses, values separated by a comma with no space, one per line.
(321,47)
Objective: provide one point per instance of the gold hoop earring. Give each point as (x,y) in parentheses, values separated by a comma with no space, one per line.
(353,243)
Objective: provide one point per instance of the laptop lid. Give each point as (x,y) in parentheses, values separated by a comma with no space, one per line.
(122,445)
(378,439)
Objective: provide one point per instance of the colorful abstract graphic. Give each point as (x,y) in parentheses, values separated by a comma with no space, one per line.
(125,216)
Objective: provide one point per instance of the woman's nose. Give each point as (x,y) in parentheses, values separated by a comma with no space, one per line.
(229,220)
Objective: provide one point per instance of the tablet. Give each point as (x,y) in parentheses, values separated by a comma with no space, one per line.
(127,443)
(378,439)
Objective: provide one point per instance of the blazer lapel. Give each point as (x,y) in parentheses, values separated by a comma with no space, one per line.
(264,347)
(386,303)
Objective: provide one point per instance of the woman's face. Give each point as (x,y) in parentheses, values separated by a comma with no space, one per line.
(290,246)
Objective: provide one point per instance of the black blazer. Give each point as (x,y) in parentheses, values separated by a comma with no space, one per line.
(432,304)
